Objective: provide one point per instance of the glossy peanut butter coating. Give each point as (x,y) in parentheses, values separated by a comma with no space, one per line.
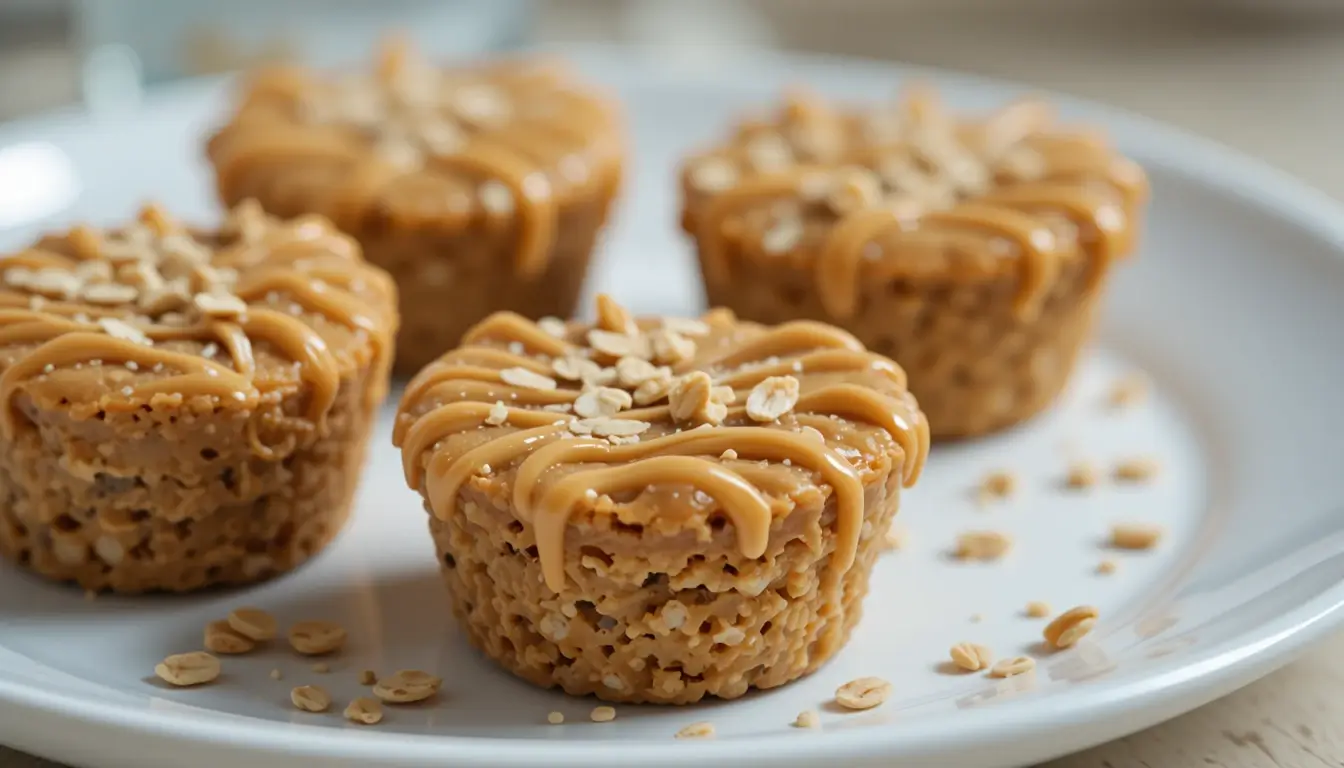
(158,315)
(415,146)
(501,410)
(909,190)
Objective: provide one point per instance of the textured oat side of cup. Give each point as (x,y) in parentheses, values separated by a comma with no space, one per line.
(185,408)
(479,189)
(659,510)
(973,250)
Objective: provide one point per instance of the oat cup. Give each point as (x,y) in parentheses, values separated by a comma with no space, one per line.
(659,510)
(478,189)
(973,251)
(185,408)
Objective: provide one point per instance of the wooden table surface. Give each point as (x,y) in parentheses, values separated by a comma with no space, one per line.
(1272,91)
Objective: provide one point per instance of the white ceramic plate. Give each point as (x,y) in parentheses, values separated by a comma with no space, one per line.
(1235,308)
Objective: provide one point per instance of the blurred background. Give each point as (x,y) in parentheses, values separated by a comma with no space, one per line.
(1259,74)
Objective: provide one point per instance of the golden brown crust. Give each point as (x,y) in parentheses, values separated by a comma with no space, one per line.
(769,437)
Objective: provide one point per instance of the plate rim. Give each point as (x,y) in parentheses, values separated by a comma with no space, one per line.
(1194,680)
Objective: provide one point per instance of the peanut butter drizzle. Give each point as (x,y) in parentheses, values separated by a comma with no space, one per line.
(306,263)
(1079,178)
(552,472)
(548,140)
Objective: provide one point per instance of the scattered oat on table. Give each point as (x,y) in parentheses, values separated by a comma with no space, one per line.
(314,638)
(187,669)
(1082,475)
(1017,665)
(971,656)
(90,595)
(701,730)
(1037,609)
(276,674)
(603,714)
(320,668)
(863,693)
(407,686)
(1070,626)
(997,485)
(1107,567)
(976,618)
(252,623)
(1128,390)
(364,710)
(555,718)
(982,545)
(1136,470)
(807,719)
(1135,535)
(368,677)
(221,638)
(310,698)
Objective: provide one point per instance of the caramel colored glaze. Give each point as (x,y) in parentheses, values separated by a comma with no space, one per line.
(856,400)
(312,312)
(1015,219)
(551,141)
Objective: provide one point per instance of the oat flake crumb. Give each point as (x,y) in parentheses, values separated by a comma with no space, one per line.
(1128,391)
(982,545)
(321,668)
(971,656)
(1037,609)
(364,710)
(252,623)
(1082,475)
(807,719)
(555,718)
(863,693)
(701,730)
(1018,665)
(997,485)
(406,686)
(276,674)
(314,638)
(220,637)
(1136,470)
(603,714)
(1135,536)
(186,669)
(1107,567)
(368,677)
(1070,626)
(310,698)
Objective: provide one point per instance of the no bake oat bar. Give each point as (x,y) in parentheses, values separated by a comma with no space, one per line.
(479,188)
(185,408)
(659,510)
(972,250)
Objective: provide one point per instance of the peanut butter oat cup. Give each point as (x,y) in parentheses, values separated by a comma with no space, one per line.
(659,510)
(185,408)
(479,189)
(974,252)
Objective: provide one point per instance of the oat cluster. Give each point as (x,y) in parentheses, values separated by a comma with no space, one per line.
(908,157)
(153,265)
(411,110)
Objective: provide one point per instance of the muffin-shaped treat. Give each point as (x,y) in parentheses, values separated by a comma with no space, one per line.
(479,189)
(664,509)
(186,408)
(970,250)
